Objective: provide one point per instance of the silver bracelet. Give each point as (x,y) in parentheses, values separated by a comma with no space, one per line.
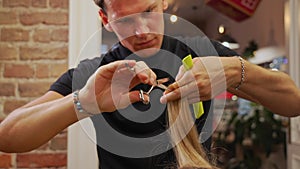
(242,73)
(77,105)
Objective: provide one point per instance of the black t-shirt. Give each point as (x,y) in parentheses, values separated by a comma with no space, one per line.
(135,137)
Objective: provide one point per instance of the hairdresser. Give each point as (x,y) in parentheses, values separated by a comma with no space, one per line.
(113,90)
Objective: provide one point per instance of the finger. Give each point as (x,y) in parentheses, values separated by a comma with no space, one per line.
(172,87)
(133,79)
(132,97)
(121,64)
(124,74)
(127,99)
(144,73)
(108,71)
(193,97)
(182,69)
(172,96)
(135,73)
(180,73)
(180,92)
(186,78)
(142,78)
(193,100)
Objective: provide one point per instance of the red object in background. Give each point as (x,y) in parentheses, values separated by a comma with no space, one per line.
(224,95)
(238,10)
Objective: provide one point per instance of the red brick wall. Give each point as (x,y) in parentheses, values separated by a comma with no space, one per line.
(33,53)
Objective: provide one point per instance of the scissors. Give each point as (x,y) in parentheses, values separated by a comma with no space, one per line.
(159,83)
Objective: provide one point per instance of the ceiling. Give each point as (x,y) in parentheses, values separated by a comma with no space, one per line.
(195,11)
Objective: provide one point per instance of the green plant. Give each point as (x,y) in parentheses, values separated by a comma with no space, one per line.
(251,138)
(249,50)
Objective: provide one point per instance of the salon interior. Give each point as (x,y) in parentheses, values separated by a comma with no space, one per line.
(246,135)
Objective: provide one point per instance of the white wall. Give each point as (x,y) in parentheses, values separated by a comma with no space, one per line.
(293,34)
(269,15)
(84,42)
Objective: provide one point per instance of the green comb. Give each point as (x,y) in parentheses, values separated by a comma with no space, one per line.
(198,107)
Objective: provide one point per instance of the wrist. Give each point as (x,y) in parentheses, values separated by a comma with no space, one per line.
(242,73)
(80,110)
(233,72)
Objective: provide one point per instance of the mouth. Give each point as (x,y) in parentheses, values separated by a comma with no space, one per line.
(146,44)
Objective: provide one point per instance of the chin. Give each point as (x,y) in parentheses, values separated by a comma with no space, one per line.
(145,53)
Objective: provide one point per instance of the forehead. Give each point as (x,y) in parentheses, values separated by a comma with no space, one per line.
(120,8)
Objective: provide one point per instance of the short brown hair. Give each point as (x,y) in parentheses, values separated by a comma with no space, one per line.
(100,3)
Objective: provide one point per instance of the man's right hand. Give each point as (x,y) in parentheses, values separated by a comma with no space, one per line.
(109,87)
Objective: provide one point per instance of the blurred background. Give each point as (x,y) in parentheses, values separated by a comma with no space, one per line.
(39,39)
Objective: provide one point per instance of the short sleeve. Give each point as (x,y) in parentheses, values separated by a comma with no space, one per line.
(223,50)
(76,78)
(63,85)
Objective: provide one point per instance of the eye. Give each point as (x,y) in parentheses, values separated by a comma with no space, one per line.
(145,14)
(124,20)
(148,12)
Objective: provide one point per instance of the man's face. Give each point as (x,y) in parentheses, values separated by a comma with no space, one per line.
(138,24)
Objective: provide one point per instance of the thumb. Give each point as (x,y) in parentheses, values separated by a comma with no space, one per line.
(109,69)
(129,98)
(134,96)
(180,73)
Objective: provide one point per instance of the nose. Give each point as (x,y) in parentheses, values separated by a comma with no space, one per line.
(141,28)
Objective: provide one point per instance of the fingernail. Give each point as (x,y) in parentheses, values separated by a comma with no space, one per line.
(163,100)
(153,80)
(146,80)
(168,90)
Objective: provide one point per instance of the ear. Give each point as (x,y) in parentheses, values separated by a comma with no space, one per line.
(104,19)
(165,4)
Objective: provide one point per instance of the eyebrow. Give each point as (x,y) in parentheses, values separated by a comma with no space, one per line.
(150,7)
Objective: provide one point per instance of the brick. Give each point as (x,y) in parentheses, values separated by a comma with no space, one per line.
(35,53)
(8,18)
(5,161)
(61,18)
(7,89)
(8,52)
(33,89)
(1,68)
(64,4)
(31,160)
(60,35)
(41,35)
(57,69)
(18,71)
(30,18)
(43,147)
(42,71)
(59,143)
(14,34)
(16,3)
(11,105)
(47,18)
(39,3)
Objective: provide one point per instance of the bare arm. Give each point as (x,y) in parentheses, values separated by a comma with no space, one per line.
(212,75)
(32,125)
(273,89)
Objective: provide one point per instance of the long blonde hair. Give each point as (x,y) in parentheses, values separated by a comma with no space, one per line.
(189,152)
